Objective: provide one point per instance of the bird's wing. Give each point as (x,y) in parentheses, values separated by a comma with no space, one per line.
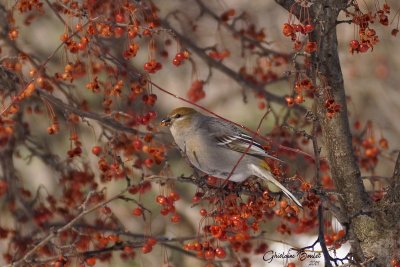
(231,137)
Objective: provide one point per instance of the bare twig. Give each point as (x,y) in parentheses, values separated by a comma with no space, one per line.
(229,72)
(231,28)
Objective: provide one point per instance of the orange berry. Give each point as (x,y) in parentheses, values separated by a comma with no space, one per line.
(91,261)
(96,150)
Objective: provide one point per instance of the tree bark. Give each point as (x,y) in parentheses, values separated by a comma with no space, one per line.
(371,243)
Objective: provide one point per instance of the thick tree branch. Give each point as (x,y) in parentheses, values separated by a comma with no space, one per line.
(336,131)
(393,194)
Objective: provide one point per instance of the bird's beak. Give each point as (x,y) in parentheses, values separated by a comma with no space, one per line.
(165,122)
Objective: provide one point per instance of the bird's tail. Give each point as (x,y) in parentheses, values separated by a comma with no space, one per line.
(265,174)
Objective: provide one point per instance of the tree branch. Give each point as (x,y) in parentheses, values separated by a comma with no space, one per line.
(231,28)
(104,120)
(53,233)
(393,194)
(228,71)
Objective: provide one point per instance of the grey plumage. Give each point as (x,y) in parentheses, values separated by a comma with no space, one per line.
(215,147)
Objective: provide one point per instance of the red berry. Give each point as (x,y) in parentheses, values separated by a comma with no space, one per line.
(96,150)
(354,44)
(152,114)
(298,28)
(393,262)
(283,204)
(310,47)
(299,99)
(176,218)
(137,211)
(164,212)
(91,261)
(196,199)
(220,252)
(289,100)
(308,28)
(161,200)
(203,212)
(147,248)
(287,30)
(137,144)
(119,18)
(152,99)
(176,62)
(211,180)
(383,142)
(261,105)
(363,48)
(174,195)
(151,241)
(106,210)
(180,56)
(297,45)
(148,162)
(209,255)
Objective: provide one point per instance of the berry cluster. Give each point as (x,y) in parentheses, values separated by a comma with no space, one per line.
(367,148)
(110,171)
(227,15)
(149,99)
(167,203)
(152,66)
(265,71)
(71,72)
(196,91)
(141,188)
(180,58)
(219,55)
(302,87)
(332,107)
(148,246)
(295,31)
(206,250)
(75,46)
(234,220)
(146,118)
(252,32)
(131,51)
(94,85)
(395,262)
(335,239)
(367,37)
(54,127)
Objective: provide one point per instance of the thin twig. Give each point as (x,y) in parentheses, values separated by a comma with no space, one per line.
(105,120)
(53,233)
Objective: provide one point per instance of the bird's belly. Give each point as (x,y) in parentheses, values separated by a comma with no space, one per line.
(216,163)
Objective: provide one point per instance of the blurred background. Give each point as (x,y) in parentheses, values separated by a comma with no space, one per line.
(371,80)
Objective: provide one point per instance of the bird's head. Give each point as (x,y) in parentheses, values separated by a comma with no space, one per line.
(181,115)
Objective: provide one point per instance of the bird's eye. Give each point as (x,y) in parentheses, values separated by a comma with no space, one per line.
(177,116)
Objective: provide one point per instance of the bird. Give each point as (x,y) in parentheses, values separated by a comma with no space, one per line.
(214,147)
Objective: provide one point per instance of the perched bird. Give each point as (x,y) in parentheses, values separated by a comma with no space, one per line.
(215,146)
